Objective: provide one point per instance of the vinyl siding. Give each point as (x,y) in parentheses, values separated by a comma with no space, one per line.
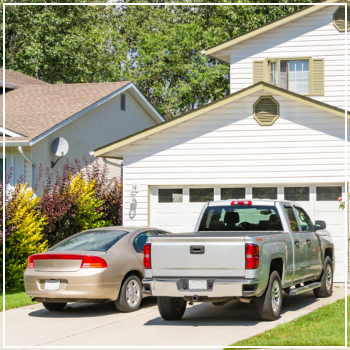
(227,146)
(313,36)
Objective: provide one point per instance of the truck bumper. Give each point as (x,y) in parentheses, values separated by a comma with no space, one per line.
(217,288)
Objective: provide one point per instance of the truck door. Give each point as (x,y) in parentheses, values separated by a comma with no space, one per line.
(299,242)
(313,253)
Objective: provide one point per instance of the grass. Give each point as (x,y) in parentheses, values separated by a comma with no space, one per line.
(323,327)
(348,321)
(15,298)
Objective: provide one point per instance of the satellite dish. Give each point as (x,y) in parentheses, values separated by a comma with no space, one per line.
(60,146)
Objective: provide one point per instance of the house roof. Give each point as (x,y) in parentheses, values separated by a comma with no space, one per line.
(34,111)
(214,51)
(261,86)
(18,78)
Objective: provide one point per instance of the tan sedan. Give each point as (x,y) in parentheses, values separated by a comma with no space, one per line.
(92,266)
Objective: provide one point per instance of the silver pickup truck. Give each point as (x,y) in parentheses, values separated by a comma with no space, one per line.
(245,249)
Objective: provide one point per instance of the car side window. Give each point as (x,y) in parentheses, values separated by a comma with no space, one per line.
(291,219)
(304,220)
(162,232)
(141,239)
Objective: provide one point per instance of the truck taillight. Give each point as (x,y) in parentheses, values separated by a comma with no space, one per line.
(147,256)
(251,256)
(241,203)
(86,260)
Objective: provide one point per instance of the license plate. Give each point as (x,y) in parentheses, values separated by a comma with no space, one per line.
(51,284)
(197,284)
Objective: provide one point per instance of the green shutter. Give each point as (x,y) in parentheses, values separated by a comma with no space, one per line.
(339,19)
(317,78)
(258,71)
(266,110)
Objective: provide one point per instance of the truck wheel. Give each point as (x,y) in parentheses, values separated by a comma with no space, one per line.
(268,306)
(54,306)
(171,308)
(130,295)
(326,280)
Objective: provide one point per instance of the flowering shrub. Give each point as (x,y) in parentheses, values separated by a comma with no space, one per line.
(341,203)
(23,231)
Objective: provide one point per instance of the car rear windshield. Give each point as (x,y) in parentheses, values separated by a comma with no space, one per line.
(101,240)
(241,218)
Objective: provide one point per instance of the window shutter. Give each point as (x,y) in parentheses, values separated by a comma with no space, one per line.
(122,102)
(317,76)
(258,71)
(339,19)
(266,110)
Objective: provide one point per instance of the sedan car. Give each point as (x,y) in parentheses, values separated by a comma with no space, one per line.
(92,266)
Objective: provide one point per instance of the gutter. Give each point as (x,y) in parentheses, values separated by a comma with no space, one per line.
(30,160)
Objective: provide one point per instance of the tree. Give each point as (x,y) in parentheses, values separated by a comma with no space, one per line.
(158,47)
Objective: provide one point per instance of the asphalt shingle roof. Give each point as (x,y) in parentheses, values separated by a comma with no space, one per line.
(19,78)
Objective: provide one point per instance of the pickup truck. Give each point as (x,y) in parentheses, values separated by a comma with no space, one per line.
(245,249)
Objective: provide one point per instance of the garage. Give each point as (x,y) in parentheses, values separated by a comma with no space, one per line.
(177,208)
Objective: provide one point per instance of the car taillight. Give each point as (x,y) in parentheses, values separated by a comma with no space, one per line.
(86,260)
(251,256)
(147,256)
(241,203)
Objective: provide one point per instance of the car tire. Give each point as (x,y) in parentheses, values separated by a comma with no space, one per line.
(269,305)
(54,306)
(171,309)
(326,280)
(130,295)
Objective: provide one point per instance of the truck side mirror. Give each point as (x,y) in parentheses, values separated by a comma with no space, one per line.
(320,225)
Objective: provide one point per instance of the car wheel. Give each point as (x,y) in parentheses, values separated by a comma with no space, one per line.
(171,309)
(54,306)
(130,295)
(269,305)
(326,280)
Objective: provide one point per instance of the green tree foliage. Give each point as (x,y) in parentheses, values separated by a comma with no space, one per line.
(158,47)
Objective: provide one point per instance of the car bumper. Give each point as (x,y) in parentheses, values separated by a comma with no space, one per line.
(72,288)
(217,288)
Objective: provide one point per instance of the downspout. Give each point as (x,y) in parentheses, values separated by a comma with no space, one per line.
(30,160)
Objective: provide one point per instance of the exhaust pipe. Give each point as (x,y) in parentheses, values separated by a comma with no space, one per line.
(195,298)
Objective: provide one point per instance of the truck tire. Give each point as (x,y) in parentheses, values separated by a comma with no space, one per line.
(54,306)
(171,309)
(326,280)
(130,295)
(268,306)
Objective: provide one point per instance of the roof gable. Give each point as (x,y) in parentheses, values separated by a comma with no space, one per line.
(261,86)
(215,51)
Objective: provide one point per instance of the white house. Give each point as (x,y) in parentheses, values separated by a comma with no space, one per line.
(280,133)
(85,115)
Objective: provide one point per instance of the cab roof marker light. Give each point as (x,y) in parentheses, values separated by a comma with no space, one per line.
(241,203)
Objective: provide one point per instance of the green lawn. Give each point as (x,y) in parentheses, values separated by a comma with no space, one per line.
(348,321)
(322,327)
(15,298)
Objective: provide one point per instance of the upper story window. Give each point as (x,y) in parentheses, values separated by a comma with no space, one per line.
(292,75)
(303,76)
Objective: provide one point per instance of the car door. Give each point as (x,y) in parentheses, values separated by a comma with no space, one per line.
(313,253)
(139,242)
(299,243)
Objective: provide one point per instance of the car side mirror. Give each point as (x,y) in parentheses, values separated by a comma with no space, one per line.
(320,225)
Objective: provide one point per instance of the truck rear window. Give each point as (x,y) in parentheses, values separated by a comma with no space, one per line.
(241,218)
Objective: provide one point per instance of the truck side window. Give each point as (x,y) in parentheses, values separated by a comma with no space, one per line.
(304,220)
(291,218)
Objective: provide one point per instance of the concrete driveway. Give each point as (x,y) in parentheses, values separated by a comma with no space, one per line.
(100,324)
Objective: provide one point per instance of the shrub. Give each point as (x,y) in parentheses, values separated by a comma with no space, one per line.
(75,199)
(24,232)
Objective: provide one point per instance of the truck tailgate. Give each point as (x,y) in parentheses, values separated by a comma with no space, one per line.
(197,256)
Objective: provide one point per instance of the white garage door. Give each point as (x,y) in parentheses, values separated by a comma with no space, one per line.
(177,208)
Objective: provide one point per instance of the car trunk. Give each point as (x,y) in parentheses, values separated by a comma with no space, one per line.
(197,256)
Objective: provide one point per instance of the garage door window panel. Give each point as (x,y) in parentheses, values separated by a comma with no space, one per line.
(328,193)
(170,195)
(300,194)
(264,192)
(199,195)
(232,193)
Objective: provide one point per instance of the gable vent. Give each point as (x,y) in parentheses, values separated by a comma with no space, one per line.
(339,19)
(266,110)
(122,102)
